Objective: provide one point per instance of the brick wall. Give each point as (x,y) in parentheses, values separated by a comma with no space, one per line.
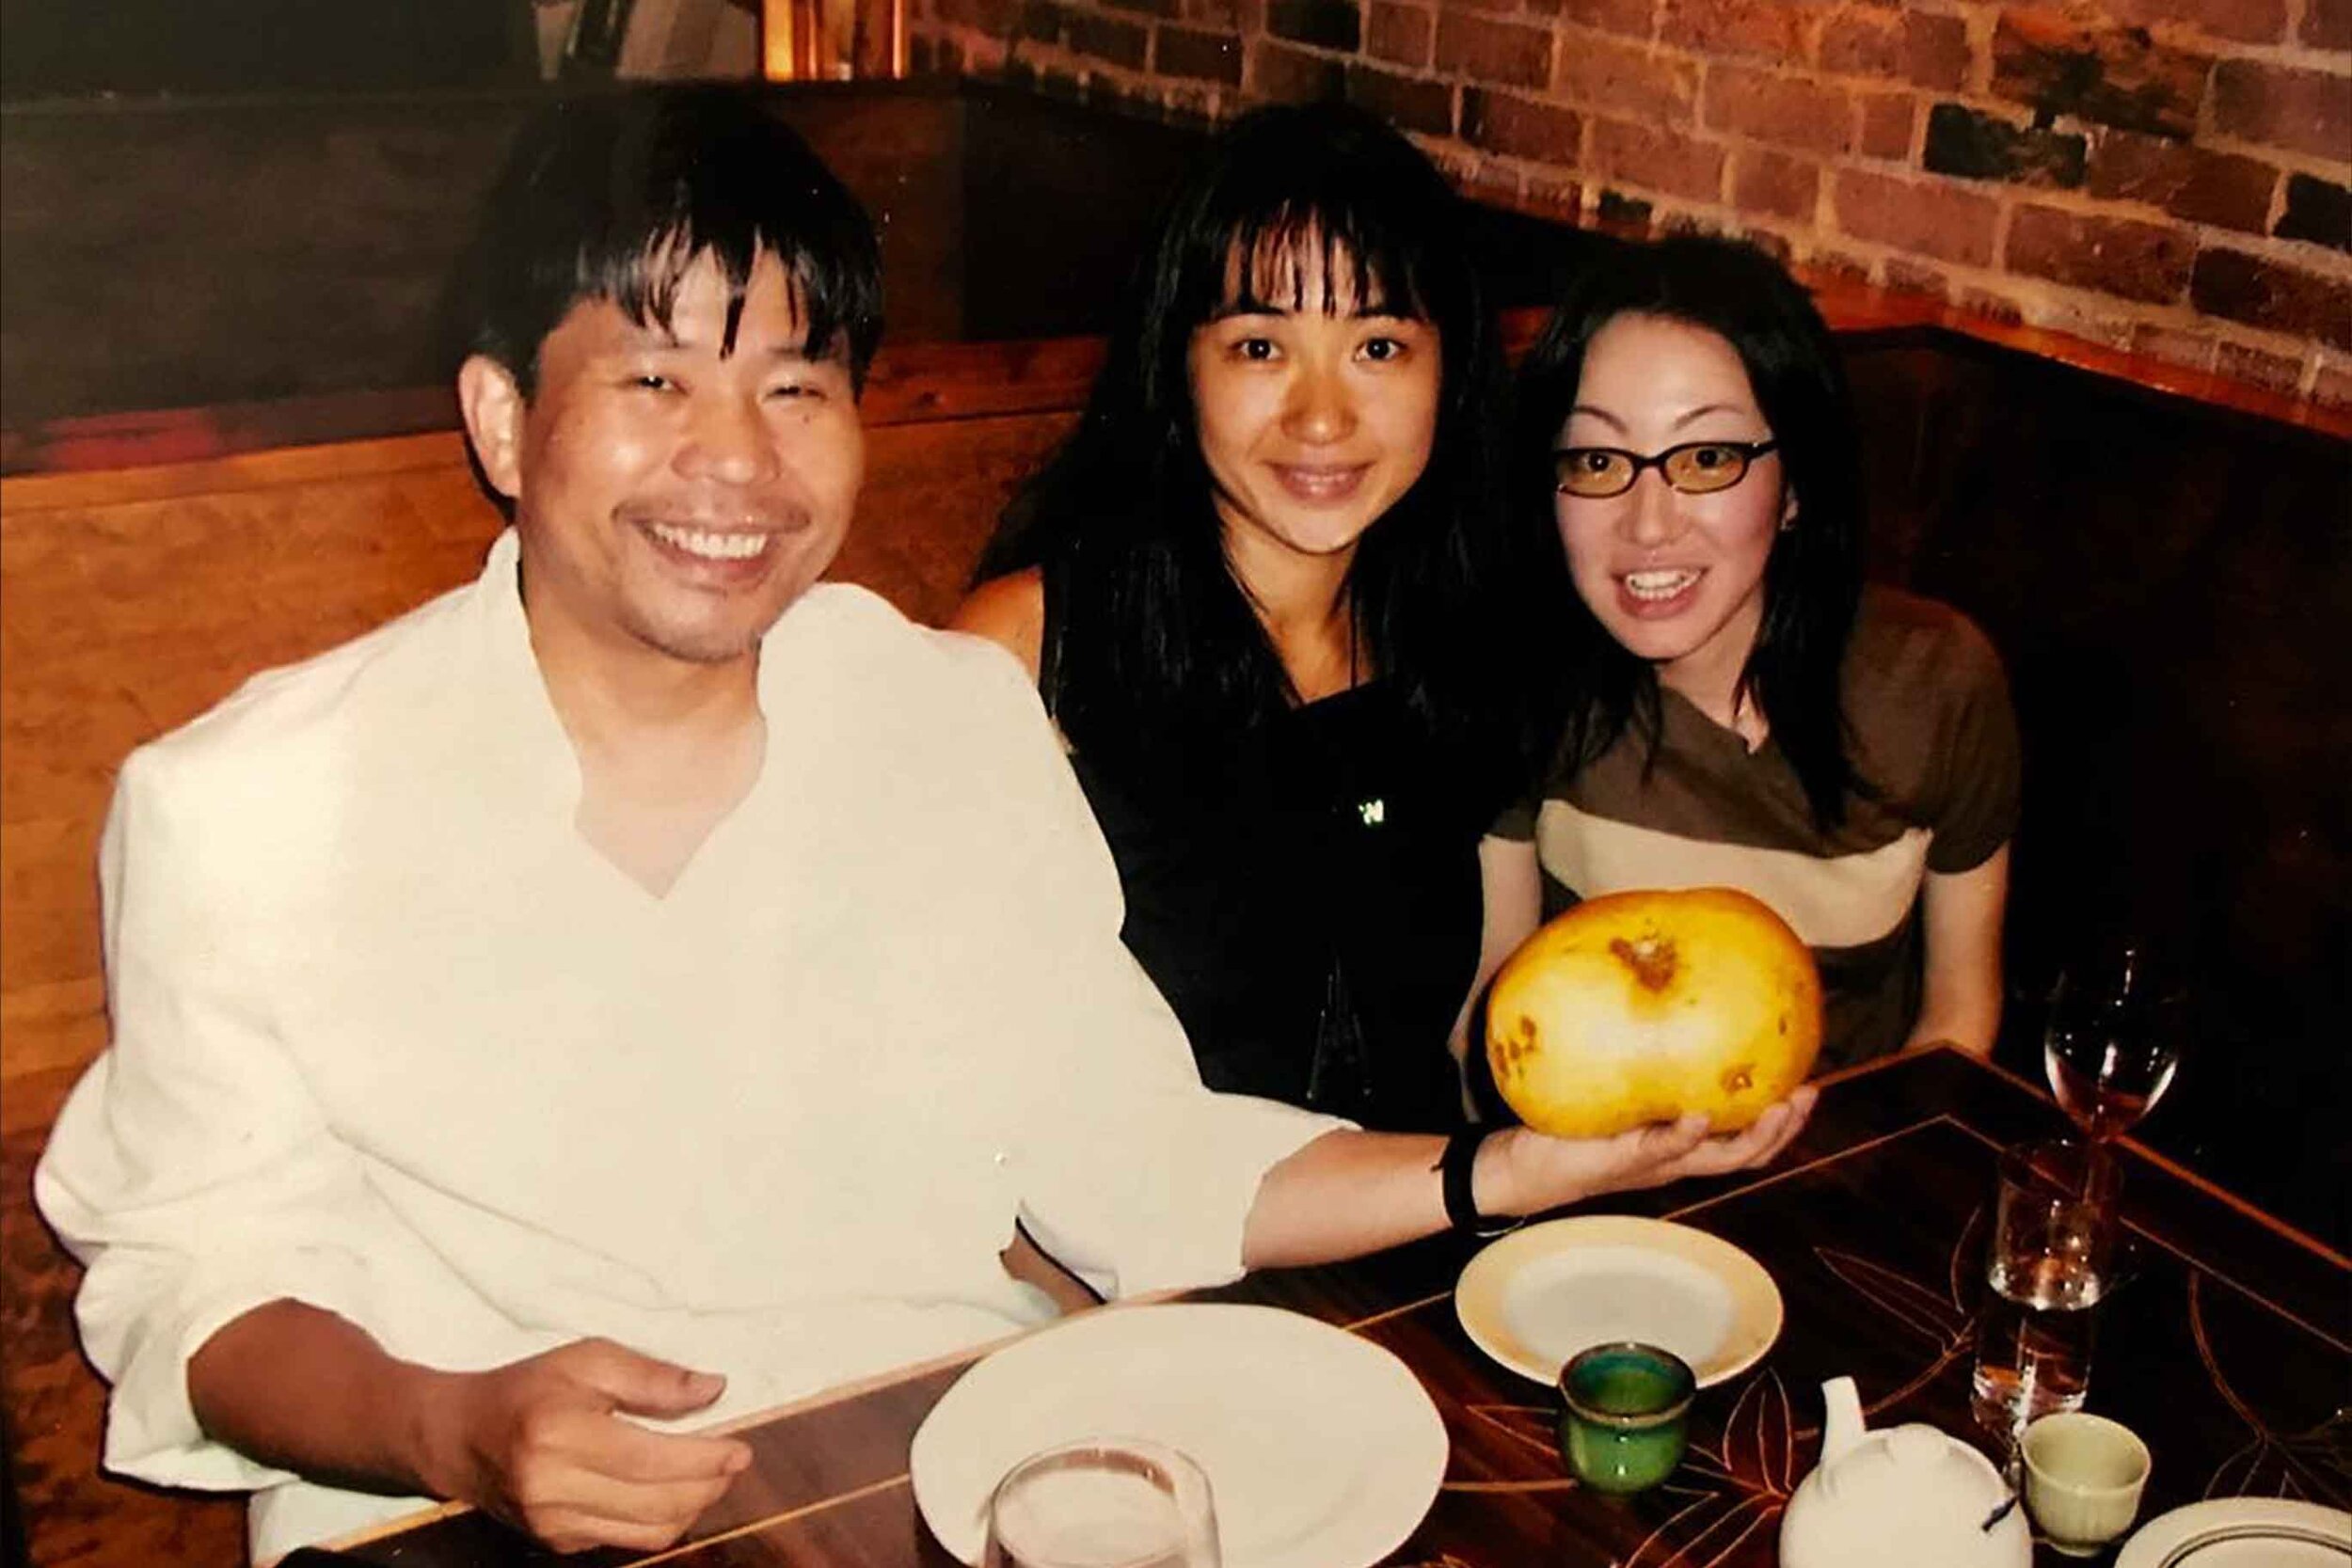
(2172,177)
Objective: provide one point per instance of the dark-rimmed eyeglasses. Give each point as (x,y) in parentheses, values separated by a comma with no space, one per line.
(1694,467)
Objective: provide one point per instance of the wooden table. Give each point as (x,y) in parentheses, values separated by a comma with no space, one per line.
(2228,1346)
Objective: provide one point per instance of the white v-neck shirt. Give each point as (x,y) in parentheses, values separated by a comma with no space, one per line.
(391,1038)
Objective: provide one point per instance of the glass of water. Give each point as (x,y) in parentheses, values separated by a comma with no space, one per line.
(1103,1502)
(2051,1260)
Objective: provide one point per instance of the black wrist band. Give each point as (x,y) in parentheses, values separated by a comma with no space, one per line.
(1454,1172)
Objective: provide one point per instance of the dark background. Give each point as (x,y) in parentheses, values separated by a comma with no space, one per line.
(175,253)
(139,48)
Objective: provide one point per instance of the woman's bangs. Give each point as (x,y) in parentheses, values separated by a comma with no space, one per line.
(1273,262)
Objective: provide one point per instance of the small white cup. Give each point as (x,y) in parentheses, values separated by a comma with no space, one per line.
(2083,1478)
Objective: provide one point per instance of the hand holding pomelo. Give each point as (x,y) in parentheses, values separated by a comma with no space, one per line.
(1636,1007)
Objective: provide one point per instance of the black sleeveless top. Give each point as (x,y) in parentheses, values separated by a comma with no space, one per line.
(1309,904)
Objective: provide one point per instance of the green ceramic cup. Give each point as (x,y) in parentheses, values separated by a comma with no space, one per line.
(1622,1415)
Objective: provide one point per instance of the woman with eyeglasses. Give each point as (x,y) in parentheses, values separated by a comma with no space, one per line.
(1754,716)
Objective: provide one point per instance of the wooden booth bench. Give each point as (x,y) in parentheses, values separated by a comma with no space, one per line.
(2169,581)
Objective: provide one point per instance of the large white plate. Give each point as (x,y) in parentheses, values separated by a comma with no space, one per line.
(1540,1295)
(1322,1449)
(2243,1532)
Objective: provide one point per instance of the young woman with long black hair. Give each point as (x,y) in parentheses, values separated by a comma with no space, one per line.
(1262,591)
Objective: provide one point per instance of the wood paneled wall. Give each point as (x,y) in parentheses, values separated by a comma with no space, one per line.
(175,253)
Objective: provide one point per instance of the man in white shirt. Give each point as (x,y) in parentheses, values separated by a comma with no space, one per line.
(645,984)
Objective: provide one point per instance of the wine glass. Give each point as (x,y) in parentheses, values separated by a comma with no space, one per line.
(2113,1039)
(1103,1502)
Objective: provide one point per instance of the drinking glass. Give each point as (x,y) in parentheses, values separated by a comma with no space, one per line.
(1103,1502)
(2113,1038)
(1623,1417)
(2052,1244)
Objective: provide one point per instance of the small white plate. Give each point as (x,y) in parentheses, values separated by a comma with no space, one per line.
(2243,1532)
(1539,1295)
(1322,1449)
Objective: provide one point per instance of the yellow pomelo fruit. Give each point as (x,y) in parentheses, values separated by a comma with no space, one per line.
(1636,1007)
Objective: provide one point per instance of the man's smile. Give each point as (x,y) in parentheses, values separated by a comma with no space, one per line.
(711,545)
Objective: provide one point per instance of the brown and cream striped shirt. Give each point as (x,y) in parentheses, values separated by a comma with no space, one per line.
(1932,731)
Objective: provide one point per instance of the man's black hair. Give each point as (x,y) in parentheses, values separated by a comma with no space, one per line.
(617,195)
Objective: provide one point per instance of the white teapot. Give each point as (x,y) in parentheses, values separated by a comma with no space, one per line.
(1908,1495)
